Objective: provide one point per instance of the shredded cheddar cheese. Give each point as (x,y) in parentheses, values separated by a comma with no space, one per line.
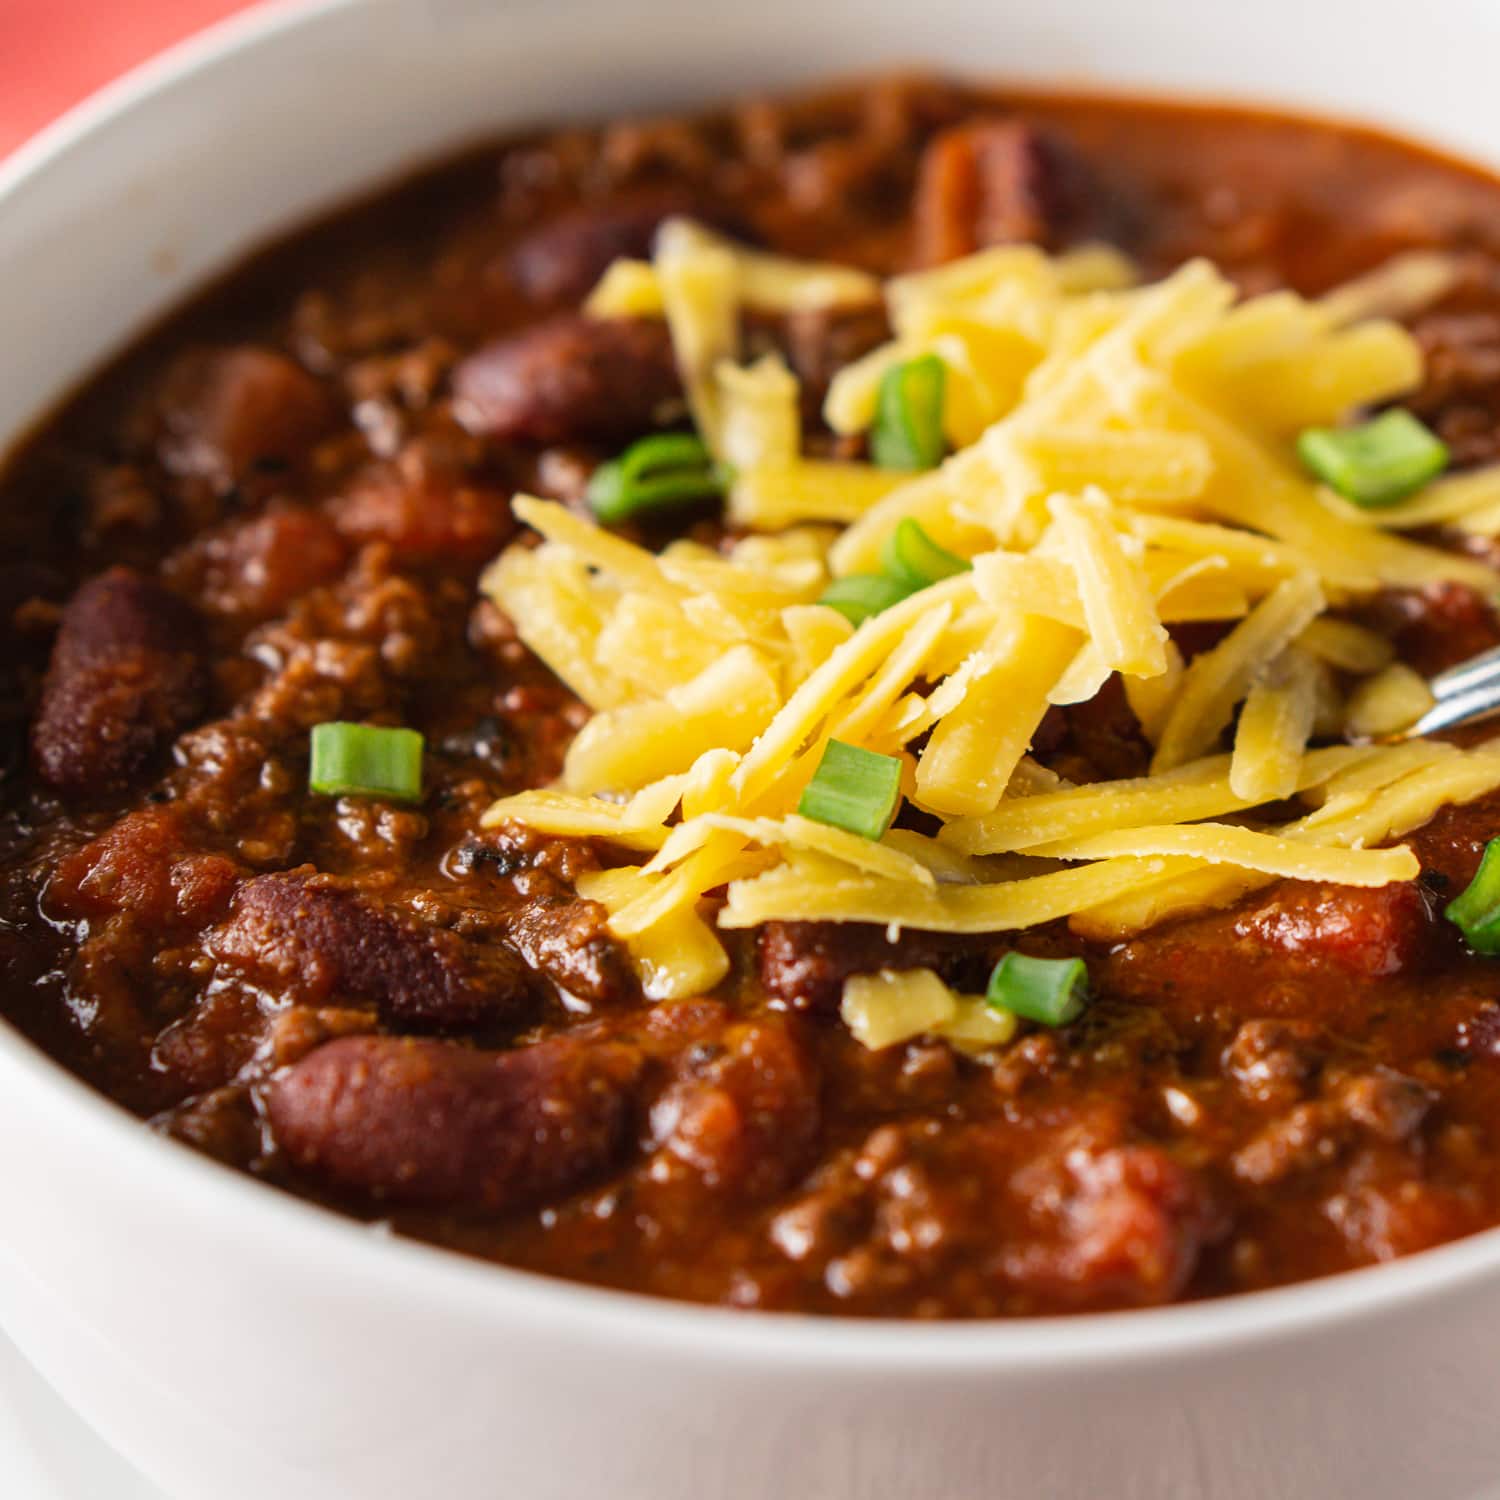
(1392,700)
(1123,461)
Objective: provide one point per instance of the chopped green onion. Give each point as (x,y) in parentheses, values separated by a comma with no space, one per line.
(908,428)
(860,595)
(853,789)
(1476,911)
(366,760)
(913,558)
(1376,463)
(666,469)
(1053,991)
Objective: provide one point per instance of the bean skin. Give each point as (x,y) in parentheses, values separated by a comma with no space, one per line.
(123,679)
(564,259)
(1001,182)
(434,1124)
(804,964)
(314,942)
(568,380)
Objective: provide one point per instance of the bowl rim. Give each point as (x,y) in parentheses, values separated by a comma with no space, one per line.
(163,1168)
(872,1347)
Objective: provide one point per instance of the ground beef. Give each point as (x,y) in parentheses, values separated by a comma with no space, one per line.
(1462,384)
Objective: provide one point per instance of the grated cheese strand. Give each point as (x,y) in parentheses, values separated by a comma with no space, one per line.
(1275,726)
(1118,608)
(1184,795)
(968,761)
(1216,681)
(1246,849)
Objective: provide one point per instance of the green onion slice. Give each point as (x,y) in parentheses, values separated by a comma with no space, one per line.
(860,595)
(366,760)
(908,428)
(1377,463)
(1476,911)
(911,561)
(666,469)
(1053,991)
(913,558)
(853,789)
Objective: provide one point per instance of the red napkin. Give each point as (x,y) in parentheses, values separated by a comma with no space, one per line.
(54,52)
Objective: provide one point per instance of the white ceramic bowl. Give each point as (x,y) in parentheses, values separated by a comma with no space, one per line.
(237,1344)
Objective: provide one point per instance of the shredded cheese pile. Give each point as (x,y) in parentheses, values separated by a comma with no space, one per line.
(1123,460)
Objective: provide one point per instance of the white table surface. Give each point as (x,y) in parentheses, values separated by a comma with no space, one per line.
(46,1452)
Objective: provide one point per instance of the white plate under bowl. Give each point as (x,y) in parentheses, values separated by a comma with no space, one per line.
(235,1343)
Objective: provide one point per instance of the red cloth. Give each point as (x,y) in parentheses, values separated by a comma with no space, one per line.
(54,52)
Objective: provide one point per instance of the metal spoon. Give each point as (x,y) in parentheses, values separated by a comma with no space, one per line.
(1478,671)
(1466,694)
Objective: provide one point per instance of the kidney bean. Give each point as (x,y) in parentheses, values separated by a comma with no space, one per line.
(125,676)
(432,1123)
(563,260)
(313,943)
(996,182)
(805,964)
(569,379)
